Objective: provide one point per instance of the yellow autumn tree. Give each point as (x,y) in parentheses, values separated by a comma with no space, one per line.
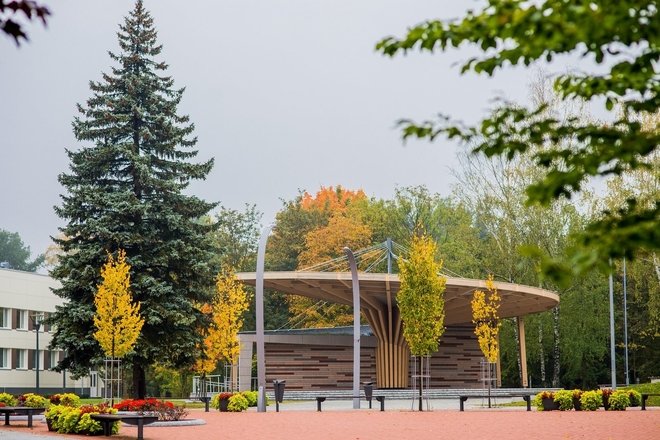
(421,300)
(117,320)
(227,309)
(485,316)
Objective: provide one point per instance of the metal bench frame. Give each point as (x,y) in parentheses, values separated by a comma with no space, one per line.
(320,399)
(107,420)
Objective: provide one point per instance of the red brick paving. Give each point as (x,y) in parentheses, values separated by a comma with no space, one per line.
(374,425)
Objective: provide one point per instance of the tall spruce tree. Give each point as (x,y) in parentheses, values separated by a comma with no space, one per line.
(125,190)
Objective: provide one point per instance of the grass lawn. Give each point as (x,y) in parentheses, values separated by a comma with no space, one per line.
(647,388)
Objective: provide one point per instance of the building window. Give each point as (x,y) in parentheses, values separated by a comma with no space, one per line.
(4,358)
(5,321)
(21,359)
(54,358)
(22,319)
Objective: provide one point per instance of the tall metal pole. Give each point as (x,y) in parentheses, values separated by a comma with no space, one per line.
(612,353)
(356,328)
(625,321)
(36,356)
(37,318)
(389,255)
(259,309)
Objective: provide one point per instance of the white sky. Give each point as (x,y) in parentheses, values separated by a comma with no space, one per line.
(285,94)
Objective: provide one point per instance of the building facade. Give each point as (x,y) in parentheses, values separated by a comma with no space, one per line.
(26,300)
(322,359)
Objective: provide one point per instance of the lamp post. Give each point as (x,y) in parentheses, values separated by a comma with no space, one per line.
(37,319)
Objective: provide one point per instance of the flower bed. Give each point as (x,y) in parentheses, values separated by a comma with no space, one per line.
(166,411)
(66,399)
(77,420)
(234,402)
(566,400)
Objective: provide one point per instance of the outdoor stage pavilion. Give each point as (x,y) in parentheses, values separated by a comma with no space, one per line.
(314,359)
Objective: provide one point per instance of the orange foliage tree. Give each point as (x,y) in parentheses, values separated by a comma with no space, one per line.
(344,228)
(332,200)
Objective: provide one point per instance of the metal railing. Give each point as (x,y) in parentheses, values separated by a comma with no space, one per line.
(214,384)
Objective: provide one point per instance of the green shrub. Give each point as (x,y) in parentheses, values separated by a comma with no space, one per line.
(215,402)
(538,399)
(72,420)
(66,399)
(251,397)
(34,401)
(565,399)
(8,399)
(591,400)
(69,420)
(619,400)
(237,403)
(53,414)
(635,397)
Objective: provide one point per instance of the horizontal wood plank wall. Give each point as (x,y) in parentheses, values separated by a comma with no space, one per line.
(317,367)
(457,364)
(327,367)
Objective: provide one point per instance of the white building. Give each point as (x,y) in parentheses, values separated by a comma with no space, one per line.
(24,298)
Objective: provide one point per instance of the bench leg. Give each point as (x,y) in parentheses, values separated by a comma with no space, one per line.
(462,399)
(382,403)
(318,405)
(643,403)
(7,418)
(528,400)
(107,427)
(140,429)
(29,419)
(369,403)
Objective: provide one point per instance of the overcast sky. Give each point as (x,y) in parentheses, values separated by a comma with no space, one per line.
(285,94)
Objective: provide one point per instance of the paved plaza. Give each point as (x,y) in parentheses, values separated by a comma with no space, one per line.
(338,421)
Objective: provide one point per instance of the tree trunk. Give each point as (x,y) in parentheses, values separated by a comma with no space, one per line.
(541,354)
(556,367)
(139,381)
(517,338)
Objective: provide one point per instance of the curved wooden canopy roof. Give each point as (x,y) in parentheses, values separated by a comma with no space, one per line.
(378,292)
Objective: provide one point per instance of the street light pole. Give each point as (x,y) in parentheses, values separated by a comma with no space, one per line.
(37,319)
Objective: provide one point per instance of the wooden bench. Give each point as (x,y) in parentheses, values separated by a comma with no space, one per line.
(107,420)
(525,396)
(646,396)
(320,399)
(20,411)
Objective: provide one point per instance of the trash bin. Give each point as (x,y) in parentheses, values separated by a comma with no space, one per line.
(279,392)
(206,400)
(368,391)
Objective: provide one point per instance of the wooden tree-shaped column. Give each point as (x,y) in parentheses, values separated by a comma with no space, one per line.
(117,320)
